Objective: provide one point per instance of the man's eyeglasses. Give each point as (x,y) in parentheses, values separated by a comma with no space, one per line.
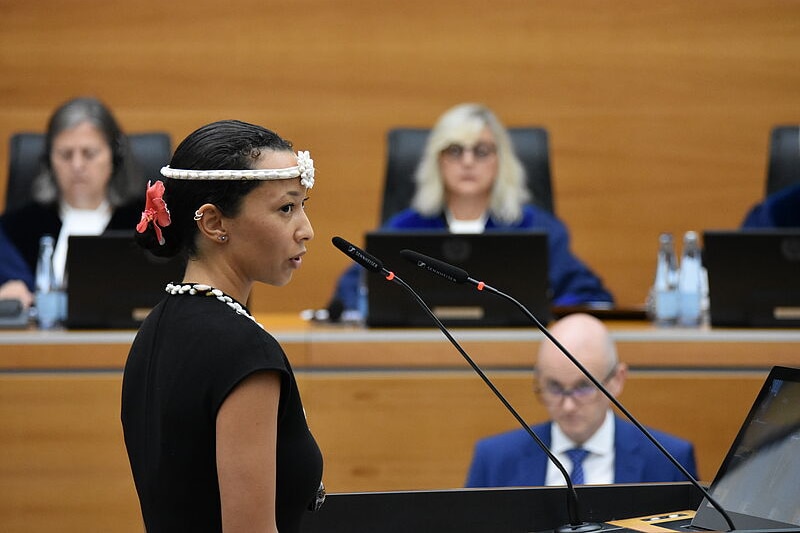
(481,151)
(554,394)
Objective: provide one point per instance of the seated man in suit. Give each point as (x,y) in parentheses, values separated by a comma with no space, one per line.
(613,450)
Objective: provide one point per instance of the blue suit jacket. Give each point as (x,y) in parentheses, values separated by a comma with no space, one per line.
(513,459)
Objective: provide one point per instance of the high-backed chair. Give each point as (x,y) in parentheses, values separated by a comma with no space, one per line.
(783,167)
(405,148)
(151,151)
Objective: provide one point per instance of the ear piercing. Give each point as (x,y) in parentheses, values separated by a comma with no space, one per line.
(198,215)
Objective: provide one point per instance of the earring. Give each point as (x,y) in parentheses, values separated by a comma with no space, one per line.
(198,215)
(223,238)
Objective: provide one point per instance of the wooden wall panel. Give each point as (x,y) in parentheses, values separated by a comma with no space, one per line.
(63,465)
(402,431)
(659,112)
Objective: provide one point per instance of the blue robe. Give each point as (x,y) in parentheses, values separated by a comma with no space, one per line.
(781,209)
(571,281)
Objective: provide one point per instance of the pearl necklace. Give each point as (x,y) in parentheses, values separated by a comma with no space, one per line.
(208,290)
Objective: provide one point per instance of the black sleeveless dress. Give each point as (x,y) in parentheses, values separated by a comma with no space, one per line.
(187,357)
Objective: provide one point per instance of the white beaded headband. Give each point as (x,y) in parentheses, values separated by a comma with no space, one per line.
(304,170)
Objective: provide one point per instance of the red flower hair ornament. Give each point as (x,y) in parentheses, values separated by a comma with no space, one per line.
(155,211)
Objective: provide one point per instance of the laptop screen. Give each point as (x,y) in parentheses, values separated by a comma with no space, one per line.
(512,262)
(758,483)
(112,282)
(753,277)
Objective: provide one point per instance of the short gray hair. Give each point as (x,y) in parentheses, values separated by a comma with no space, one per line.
(126,183)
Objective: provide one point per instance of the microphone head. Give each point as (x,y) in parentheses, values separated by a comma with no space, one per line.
(368,261)
(440,268)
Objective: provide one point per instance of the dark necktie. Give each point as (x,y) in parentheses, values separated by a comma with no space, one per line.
(577,455)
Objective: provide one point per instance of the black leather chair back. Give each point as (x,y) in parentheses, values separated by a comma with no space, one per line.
(405,148)
(783,167)
(151,151)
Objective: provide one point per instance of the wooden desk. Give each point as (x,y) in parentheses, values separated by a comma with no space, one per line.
(640,345)
(321,346)
(391,409)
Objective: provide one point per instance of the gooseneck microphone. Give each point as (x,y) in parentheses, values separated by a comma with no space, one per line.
(458,275)
(373,264)
(368,261)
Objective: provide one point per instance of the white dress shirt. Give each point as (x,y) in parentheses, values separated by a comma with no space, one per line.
(77,222)
(455,225)
(598,467)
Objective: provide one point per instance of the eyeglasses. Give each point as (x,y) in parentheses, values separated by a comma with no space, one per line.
(554,394)
(481,151)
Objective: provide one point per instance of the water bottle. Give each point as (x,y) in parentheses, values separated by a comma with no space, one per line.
(665,286)
(690,282)
(363,296)
(49,297)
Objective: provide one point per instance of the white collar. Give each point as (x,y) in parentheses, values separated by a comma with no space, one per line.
(76,221)
(67,211)
(476,225)
(601,443)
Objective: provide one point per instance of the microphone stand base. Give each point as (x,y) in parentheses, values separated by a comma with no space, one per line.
(584,527)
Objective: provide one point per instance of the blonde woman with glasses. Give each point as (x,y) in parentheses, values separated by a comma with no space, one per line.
(470,181)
